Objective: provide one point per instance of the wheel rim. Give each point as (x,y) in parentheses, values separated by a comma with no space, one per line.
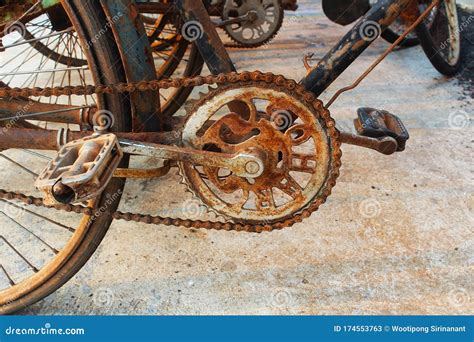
(445,32)
(454,32)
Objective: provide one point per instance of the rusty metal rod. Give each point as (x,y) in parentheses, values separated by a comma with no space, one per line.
(353,44)
(40,139)
(207,40)
(385,54)
(385,145)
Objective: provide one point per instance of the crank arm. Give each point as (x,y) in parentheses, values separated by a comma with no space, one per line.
(241,164)
(386,145)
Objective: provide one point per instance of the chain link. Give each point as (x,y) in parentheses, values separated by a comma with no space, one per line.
(230,78)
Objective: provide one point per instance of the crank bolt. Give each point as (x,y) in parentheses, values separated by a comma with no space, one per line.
(252,167)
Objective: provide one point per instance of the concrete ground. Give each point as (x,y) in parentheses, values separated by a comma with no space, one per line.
(396,236)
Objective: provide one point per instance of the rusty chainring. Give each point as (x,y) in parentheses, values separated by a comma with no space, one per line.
(276,126)
(223,81)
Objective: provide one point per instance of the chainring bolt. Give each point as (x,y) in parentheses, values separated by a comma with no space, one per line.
(252,167)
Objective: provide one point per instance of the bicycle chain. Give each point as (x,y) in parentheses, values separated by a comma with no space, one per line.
(155,85)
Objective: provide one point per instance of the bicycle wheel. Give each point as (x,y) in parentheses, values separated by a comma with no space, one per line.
(41,248)
(173,55)
(442,41)
(269,16)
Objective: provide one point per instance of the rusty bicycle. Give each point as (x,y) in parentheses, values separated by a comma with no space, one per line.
(85,89)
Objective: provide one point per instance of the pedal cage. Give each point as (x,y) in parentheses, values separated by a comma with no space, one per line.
(376,123)
(81,169)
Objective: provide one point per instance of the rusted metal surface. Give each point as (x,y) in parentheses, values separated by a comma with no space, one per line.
(19,139)
(392,47)
(170,8)
(353,44)
(156,7)
(208,41)
(144,173)
(385,145)
(412,12)
(238,163)
(136,59)
(268,129)
(14,12)
(13,110)
(53,139)
(265,142)
(81,170)
(259,22)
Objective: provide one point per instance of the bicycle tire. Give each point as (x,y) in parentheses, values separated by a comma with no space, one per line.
(432,40)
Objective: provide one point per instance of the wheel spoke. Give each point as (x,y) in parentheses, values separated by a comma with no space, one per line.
(72,230)
(10,280)
(19,254)
(34,174)
(31,72)
(29,41)
(29,231)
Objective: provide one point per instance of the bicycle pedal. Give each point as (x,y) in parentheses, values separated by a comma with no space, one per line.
(81,170)
(378,124)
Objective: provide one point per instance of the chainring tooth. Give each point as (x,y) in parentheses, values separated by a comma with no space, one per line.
(328,123)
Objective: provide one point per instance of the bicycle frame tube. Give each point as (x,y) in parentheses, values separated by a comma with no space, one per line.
(137,60)
(353,44)
(318,79)
(197,20)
